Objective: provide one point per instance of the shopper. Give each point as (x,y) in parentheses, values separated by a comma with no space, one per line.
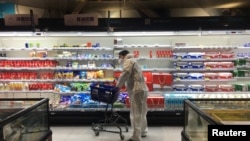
(137,91)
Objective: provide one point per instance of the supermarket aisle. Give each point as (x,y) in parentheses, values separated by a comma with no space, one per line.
(83,133)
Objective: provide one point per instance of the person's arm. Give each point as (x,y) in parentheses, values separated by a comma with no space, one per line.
(127,69)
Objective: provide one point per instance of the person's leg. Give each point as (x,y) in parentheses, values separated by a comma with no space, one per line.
(131,110)
(144,124)
(137,100)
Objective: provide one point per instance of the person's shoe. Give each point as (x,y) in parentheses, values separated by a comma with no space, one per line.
(130,140)
(144,134)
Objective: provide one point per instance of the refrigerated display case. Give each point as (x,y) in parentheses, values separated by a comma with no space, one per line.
(24,119)
(199,113)
(176,65)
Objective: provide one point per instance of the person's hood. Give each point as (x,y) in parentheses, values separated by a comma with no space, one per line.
(128,56)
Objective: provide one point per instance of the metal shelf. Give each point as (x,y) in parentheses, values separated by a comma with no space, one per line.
(36,91)
(71,93)
(84,48)
(152,69)
(141,46)
(22,80)
(24,49)
(203,80)
(72,58)
(201,60)
(205,47)
(27,68)
(242,78)
(204,70)
(202,92)
(83,80)
(26,58)
(83,68)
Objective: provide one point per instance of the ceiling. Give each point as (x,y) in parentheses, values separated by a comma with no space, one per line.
(149,8)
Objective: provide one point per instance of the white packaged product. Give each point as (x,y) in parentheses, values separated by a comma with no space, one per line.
(195,76)
(180,87)
(196,87)
(180,76)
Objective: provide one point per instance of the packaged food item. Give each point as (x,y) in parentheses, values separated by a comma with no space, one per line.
(226,88)
(211,65)
(226,64)
(100,74)
(241,87)
(195,76)
(179,87)
(182,55)
(226,55)
(196,87)
(212,55)
(91,75)
(209,76)
(196,55)
(211,88)
(225,75)
(197,65)
(178,76)
(181,65)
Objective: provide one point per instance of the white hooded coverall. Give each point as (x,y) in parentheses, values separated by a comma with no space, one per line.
(137,92)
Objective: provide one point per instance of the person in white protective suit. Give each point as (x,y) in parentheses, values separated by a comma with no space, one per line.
(137,92)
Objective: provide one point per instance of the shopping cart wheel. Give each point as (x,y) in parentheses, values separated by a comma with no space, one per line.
(126,128)
(122,137)
(97,133)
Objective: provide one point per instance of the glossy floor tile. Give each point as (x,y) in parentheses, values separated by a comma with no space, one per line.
(84,133)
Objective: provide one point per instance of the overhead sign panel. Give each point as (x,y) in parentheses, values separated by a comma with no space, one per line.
(19,19)
(81,20)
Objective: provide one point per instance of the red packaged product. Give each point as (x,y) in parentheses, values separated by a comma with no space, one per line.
(163,79)
(211,88)
(225,75)
(211,65)
(212,55)
(226,55)
(150,86)
(226,88)
(226,64)
(211,76)
(152,102)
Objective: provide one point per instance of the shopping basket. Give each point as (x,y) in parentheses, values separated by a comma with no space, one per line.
(109,95)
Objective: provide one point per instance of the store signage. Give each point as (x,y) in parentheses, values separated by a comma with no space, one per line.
(19,20)
(81,20)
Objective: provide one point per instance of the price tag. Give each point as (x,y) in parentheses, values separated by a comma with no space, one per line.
(178,68)
(207,79)
(179,58)
(208,58)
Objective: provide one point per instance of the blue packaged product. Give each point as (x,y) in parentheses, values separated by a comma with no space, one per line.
(197,65)
(195,55)
(83,74)
(196,76)
(182,55)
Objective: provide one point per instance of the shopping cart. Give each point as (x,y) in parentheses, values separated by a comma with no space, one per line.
(108,95)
